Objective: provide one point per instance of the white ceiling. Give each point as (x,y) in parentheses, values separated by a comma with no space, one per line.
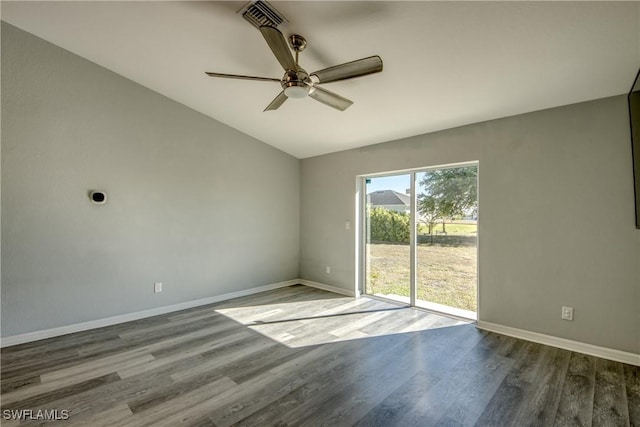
(446,64)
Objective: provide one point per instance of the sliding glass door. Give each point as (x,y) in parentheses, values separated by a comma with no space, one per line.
(422,249)
(387,236)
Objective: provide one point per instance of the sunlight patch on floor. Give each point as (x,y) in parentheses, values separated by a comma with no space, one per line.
(321,321)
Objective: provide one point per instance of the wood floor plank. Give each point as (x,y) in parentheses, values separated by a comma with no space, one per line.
(329,326)
(303,301)
(158,343)
(576,402)
(194,313)
(610,406)
(224,358)
(632,383)
(248,367)
(114,415)
(176,389)
(128,358)
(356,324)
(141,332)
(179,409)
(401,318)
(426,321)
(19,382)
(400,402)
(35,356)
(542,398)
(61,343)
(170,330)
(278,331)
(10,422)
(220,335)
(39,400)
(278,313)
(344,306)
(502,345)
(288,294)
(73,378)
(39,366)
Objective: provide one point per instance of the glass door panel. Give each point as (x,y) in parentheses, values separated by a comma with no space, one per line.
(447,233)
(387,236)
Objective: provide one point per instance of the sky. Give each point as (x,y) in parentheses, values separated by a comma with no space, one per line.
(398,183)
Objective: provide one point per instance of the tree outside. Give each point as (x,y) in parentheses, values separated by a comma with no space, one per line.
(446,194)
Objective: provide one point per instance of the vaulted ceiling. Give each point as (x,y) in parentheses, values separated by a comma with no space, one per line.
(446,64)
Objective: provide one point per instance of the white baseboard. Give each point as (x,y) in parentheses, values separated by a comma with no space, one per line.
(100,323)
(578,347)
(329,288)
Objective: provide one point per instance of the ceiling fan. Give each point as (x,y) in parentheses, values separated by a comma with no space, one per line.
(296,82)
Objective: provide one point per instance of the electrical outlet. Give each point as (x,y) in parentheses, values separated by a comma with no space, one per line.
(347,225)
(157,287)
(567,313)
(328,269)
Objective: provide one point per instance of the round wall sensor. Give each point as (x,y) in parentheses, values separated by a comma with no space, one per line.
(98,197)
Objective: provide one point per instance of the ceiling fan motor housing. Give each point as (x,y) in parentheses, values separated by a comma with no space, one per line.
(296,84)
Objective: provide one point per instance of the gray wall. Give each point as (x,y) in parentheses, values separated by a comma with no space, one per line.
(193,203)
(556,217)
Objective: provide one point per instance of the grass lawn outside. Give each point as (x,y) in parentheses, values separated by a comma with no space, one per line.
(459,227)
(447,274)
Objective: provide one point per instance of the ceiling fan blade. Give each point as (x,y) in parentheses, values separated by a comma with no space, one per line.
(277,102)
(329,98)
(279,47)
(237,76)
(348,70)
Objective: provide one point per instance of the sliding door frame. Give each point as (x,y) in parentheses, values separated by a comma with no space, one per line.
(361,229)
(413,242)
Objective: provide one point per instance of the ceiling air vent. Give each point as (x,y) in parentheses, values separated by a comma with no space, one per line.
(260,13)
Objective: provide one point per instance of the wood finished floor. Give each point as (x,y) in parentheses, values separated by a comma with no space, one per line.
(301,356)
